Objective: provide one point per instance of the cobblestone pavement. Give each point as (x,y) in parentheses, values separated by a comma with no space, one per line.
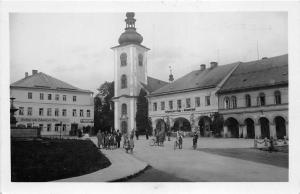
(196,165)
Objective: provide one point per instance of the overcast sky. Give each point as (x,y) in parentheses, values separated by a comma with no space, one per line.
(76,47)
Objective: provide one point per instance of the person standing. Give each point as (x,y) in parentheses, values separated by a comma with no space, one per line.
(137,135)
(99,138)
(147,135)
(118,138)
(131,143)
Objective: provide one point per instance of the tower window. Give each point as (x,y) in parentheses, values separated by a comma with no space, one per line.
(124,109)
(140,60)
(248,100)
(277,95)
(123,58)
(123,81)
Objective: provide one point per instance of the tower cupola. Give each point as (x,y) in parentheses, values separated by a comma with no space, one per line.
(130,36)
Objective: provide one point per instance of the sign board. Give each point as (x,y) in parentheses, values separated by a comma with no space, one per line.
(184,110)
(50,120)
(86,120)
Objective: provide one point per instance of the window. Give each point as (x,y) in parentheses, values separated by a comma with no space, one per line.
(48,127)
(74,113)
(140,60)
(277,95)
(64,112)
(56,112)
(207,100)
(41,126)
(41,96)
(41,111)
(197,101)
(81,113)
(88,113)
(29,125)
(123,58)
(49,111)
(64,127)
(57,97)
(171,105)
(188,103)
(49,97)
(154,106)
(162,105)
(64,98)
(248,100)
(56,127)
(74,98)
(29,95)
(226,103)
(21,110)
(123,81)
(124,109)
(261,99)
(178,104)
(233,101)
(29,111)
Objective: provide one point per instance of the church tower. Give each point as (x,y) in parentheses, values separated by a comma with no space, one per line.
(130,70)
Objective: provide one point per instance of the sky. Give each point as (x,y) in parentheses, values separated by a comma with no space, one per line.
(75,47)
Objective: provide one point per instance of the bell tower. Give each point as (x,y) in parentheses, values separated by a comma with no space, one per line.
(130,70)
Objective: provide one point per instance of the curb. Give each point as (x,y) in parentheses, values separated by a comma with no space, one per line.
(132,176)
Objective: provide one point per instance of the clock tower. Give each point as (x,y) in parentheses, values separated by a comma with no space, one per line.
(130,70)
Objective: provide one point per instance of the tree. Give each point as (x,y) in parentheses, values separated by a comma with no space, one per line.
(104,107)
(142,120)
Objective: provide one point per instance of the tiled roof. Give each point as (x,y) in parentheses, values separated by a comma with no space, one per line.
(199,79)
(43,81)
(153,84)
(260,73)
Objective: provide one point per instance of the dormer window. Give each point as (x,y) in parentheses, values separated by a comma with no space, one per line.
(123,58)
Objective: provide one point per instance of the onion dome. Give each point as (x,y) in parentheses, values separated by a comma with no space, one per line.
(130,35)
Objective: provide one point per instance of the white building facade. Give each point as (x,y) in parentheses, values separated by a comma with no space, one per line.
(54,106)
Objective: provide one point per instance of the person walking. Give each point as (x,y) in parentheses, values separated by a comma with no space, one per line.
(137,135)
(99,138)
(131,143)
(147,135)
(118,138)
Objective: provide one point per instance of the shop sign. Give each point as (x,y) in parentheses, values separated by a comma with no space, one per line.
(86,120)
(50,120)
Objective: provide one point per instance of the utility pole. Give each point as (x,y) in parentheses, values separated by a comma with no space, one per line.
(257,50)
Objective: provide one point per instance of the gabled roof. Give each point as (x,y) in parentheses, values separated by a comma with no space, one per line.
(260,73)
(199,79)
(43,81)
(153,84)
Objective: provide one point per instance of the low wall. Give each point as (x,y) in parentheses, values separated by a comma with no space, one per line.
(25,132)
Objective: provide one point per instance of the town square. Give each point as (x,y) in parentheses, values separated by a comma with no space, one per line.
(149,97)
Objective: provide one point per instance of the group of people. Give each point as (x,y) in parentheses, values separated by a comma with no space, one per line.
(109,140)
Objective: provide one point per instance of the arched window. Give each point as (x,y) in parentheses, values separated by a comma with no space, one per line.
(248,100)
(261,100)
(233,101)
(123,81)
(226,103)
(123,58)
(277,95)
(140,60)
(124,109)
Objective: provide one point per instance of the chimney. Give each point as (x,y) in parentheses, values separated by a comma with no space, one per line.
(213,64)
(202,67)
(26,74)
(34,72)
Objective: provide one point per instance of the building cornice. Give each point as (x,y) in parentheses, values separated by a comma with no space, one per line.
(51,89)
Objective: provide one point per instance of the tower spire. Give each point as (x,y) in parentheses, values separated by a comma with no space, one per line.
(130,21)
(130,36)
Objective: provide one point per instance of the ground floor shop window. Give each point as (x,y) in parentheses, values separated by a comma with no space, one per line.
(48,127)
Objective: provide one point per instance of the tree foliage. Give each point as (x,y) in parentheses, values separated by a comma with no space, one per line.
(142,120)
(104,107)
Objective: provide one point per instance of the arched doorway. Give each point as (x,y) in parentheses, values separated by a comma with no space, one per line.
(205,126)
(280,127)
(250,128)
(182,123)
(160,126)
(124,126)
(233,127)
(264,127)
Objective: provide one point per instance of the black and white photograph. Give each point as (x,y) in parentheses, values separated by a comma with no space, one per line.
(160,98)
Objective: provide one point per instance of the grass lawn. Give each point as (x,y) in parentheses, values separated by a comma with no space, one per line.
(280,159)
(48,160)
